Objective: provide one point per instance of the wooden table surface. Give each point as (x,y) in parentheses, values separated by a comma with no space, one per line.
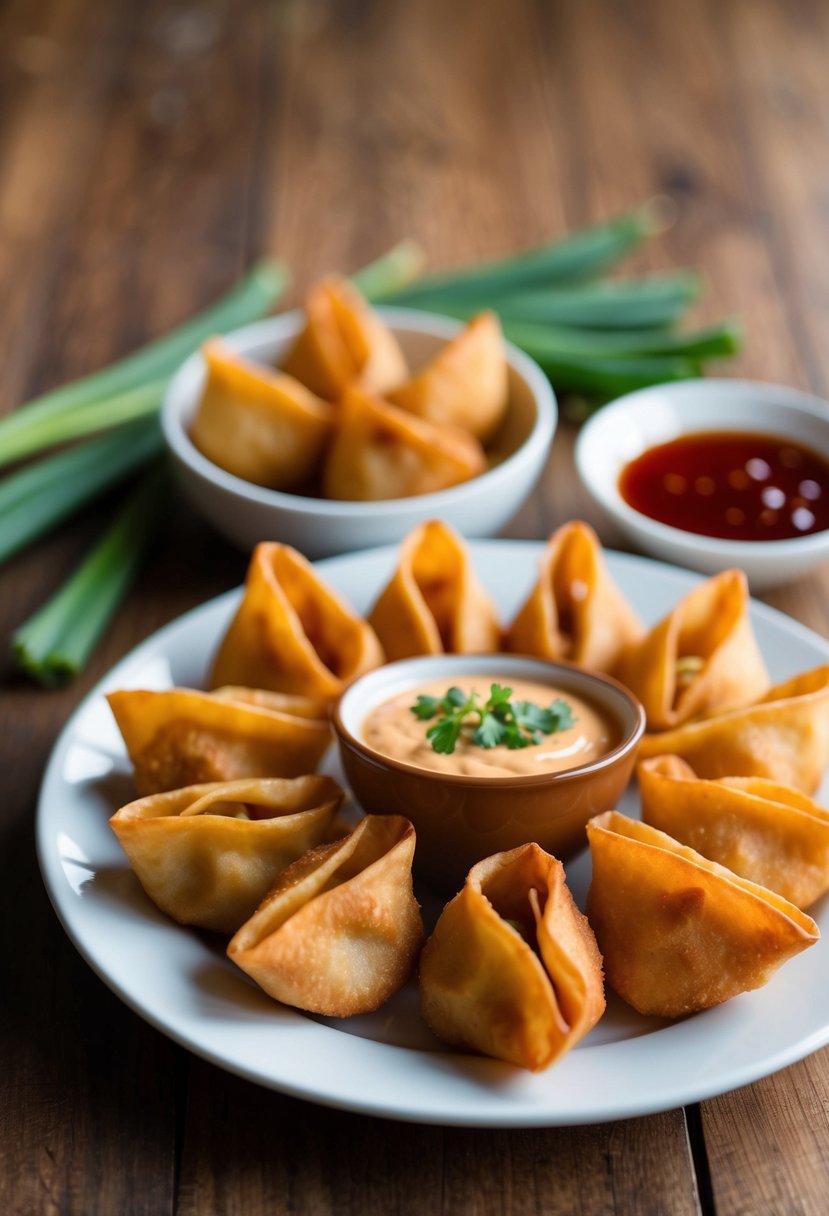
(148,152)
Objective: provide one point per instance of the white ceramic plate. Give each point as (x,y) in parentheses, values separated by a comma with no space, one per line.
(388,1063)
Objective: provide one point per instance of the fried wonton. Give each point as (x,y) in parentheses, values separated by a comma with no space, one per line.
(769,833)
(512,969)
(381,452)
(293,633)
(701,658)
(340,932)
(575,611)
(680,933)
(466,384)
(784,737)
(434,602)
(183,737)
(344,342)
(208,854)
(259,424)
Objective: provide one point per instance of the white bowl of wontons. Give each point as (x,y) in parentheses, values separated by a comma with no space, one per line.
(247,513)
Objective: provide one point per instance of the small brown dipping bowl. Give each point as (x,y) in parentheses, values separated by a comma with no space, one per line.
(460,819)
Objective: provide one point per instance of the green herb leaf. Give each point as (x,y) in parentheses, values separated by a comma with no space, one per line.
(499,694)
(564,716)
(444,734)
(491,732)
(558,716)
(426,707)
(454,699)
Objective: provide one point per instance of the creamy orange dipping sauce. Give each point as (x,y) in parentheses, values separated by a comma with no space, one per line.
(393,730)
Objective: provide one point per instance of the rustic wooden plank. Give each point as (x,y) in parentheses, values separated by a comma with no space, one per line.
(247,1150)
(124,184)
(767,1143)
(409,120)
(780,100)
(643,107)
(56,70)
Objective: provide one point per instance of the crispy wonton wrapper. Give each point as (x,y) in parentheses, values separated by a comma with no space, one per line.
(512,969)
(259,424)
(784,737)
(381,452)
(208,854)
(466,384)
(184,737)
(680,933)
(771,834)
(344,342)
(341,930)
(702,657)
(575,611)
(434,602)
(293,633)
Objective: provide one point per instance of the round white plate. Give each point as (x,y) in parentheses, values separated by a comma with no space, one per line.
(387,1063)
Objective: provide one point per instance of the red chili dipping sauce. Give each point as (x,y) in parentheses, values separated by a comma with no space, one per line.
(731,484)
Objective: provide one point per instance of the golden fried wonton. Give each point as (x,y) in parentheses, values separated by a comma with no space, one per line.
(344,342)
(434,602)
(680,933)
(512,969)
(381,452)
(183,737)
(784,737)
(208,854)
(293,633)
(701,658)
(575,611)
(340,932)
(769,833)
(466,384)
(259,424)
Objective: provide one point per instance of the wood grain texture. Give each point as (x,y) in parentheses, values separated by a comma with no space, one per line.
(273,1153)
(147,153)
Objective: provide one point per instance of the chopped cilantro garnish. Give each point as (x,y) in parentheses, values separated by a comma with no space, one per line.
(499,720)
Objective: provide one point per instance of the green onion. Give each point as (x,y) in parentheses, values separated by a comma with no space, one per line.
(609,378)
(48,430)
(392,272)
(43,494)
(614,304)
(55,643)
(715,342)
(578,256)
(251,298)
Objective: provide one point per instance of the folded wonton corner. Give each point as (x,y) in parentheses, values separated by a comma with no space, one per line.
(343,342)
(466,384)
(701,658)
(680,933)
(434,602)
(784,737)
(180,736)
(258,424)
(575,611)
(769,833)
(512,969)
(340,932)
(208,854)
(292,632)
(380,451)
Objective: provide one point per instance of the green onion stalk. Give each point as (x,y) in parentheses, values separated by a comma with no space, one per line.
(55,644)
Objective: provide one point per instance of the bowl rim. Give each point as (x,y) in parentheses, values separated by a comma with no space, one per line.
(177,397)
(605,491)
(630,738)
